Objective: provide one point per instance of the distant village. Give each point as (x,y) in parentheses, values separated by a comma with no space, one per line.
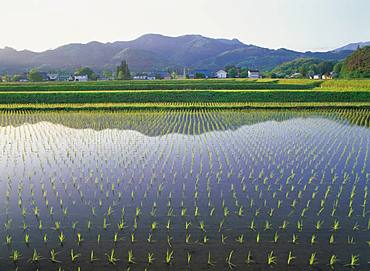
(157,75)
(123,73)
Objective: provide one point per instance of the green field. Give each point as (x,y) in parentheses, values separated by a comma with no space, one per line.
(228,93)
(209,84)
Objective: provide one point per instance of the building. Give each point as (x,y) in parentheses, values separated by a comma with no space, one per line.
(64,76)
(162,75)
(296,75)
(329,76)
(80,78)
(140,77)
(221,74)
(254,74)
(53,77)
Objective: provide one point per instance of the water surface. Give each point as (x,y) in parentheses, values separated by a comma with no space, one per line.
(245,182)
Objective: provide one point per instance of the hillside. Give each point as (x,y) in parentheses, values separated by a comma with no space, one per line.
(357,65)
(156,52)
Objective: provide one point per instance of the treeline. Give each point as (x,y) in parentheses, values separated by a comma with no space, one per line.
(236,72)
(357,65)
(303,67)
(34,75)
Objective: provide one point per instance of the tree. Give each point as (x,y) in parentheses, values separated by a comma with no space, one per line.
(120,75)
(87,71)
(16,78)
(199,75)
(232,72)
(244,73)
(325,67)
(5,78)
(303,70)
(34,75)
(338,67)
(107,74)
(173,75)
(123,71)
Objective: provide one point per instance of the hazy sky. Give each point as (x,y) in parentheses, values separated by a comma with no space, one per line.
(317,25)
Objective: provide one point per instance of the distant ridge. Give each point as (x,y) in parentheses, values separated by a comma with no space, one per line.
(353,46)
(154,52)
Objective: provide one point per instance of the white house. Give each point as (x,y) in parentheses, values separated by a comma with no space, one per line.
(53,76)
(221,74)
(254,74)
(296,75)
(81,78)
(140,77)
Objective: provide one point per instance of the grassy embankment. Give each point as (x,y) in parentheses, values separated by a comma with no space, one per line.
(231,93)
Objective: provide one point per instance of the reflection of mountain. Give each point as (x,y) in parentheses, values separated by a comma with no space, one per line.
(157,123)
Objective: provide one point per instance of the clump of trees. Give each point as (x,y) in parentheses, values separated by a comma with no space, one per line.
(34,76)
(87,71)
(107,74)
(5,78)
(123,71)
(306,67)
(236,72)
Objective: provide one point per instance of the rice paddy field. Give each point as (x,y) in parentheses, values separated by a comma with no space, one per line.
(182,189)
(200,94)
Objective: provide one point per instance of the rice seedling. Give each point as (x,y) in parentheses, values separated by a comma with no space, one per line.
(240,239)
(36,257)
(74,256)
(332,261)
(291,258)
(111,257)
(249,259)
(53,256)
(313,259)
(229,260)
(15,256)
(355,259)
(209,261)
(150,258)
(271,259)
(169,257)
(130,257)
(93,257)
(188,258)
(62,238)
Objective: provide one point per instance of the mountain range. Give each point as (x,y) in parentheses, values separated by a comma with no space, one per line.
(154,52)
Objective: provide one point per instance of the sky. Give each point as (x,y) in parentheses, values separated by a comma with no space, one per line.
(303,25)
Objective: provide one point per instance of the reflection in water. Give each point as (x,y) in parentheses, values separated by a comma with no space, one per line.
(154,123)
(202,183)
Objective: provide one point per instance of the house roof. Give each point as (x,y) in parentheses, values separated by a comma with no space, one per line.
(163,73)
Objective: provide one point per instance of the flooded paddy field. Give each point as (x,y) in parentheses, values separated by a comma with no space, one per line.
(185,190)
